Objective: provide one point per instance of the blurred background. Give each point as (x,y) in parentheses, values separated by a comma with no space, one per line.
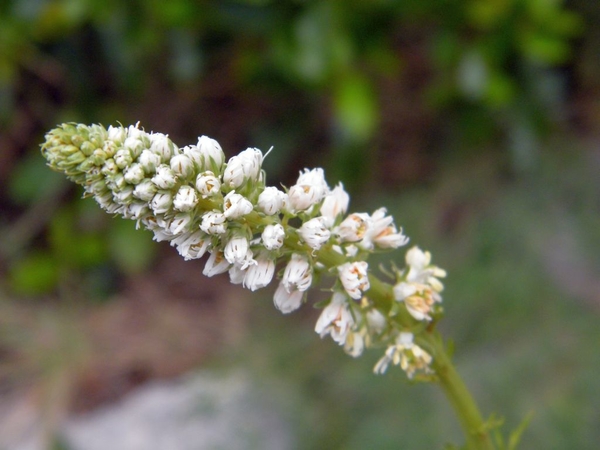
(473,122)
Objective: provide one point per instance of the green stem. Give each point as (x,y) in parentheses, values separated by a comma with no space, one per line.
(471,421)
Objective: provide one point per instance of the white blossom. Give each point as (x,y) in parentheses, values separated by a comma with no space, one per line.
(145,190)
(336,319)
(354,344)
(216,264)
(185,199)
(123,158)
(335,204)
(297,274)
(271,200)
(354,278)
(310,188)
(260,274)
(182,166)
(314,232)
(117,134)
(243,168)
(208,184)
(382,232)
(161,202)
(212,155)
(353,227)
(179,223)
(273,236)
(164,178)
(286,300)
(192,245)
(236,249)
(149,161)
(161,145)
(134,174)
(236,274)
(213,222)
(408,355)
(236,205)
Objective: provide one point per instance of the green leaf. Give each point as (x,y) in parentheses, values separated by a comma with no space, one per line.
(515,436)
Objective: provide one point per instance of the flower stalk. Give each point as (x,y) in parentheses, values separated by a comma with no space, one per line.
(199,203)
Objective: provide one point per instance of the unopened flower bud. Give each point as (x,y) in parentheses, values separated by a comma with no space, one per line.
(185,199)
(179,223)
(314,232)
(208,184)
(271,200)
(164,178)
(162,146)
(273,236)
(243,168)
(191,245)
(134,173)
(149,161)
(335,204)
(236,205)
(211,153)
(286,300)
(145,190)
(214,223)
(161,202)
(182,166)
(353,227)
(310,188)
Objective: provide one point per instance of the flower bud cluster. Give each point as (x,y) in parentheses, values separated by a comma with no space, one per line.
(200,203)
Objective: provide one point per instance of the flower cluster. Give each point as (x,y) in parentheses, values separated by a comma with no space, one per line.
(202,203)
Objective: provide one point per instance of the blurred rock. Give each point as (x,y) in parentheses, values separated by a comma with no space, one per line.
(202,411)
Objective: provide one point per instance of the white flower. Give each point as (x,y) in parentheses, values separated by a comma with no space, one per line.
(185,199)
(135,211)
(145,190)
(310,188)
(354,278)
(382,232)
(117,134)
(314,232)
(123,158)
(236,205)
(236,274)
(161,202)
(260,274)
(418,299)
(376,320)
(286,300)
(273,236)
(208,184)
(134,174)
(408,355)
(149,161)
(297,274)
(236,249)
(134,145)
(355,344)
(336,319)
(335,204)
(353,227)
(161,145)
(211,154)
(214,222)
(182,166)
(124,195)
(179,223)
(271,200)
(164,178)
(216,264)
(243,168)
(191,245)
